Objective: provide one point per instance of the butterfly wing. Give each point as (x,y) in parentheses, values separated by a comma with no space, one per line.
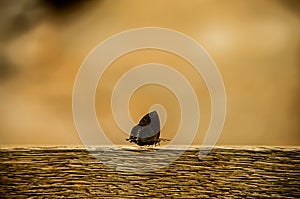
(147,132)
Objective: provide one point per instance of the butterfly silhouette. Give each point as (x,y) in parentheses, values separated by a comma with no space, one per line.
(147,132)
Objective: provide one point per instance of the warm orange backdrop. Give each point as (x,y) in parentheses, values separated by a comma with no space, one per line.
(255,44)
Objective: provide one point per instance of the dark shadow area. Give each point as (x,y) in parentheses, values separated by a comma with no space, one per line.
(292,5)
(18,17)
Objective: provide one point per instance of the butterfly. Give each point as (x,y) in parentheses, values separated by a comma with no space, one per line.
(147,131)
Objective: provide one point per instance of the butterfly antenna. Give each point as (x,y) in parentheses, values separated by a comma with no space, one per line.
(165,140)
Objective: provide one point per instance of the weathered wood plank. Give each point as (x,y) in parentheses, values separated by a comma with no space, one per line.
(76,173)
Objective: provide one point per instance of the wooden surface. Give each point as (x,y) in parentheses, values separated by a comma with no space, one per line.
(224,173)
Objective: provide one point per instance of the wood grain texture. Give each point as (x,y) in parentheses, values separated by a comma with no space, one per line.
(224,173)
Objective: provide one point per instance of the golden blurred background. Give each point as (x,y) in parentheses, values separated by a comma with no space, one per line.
(254,43)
